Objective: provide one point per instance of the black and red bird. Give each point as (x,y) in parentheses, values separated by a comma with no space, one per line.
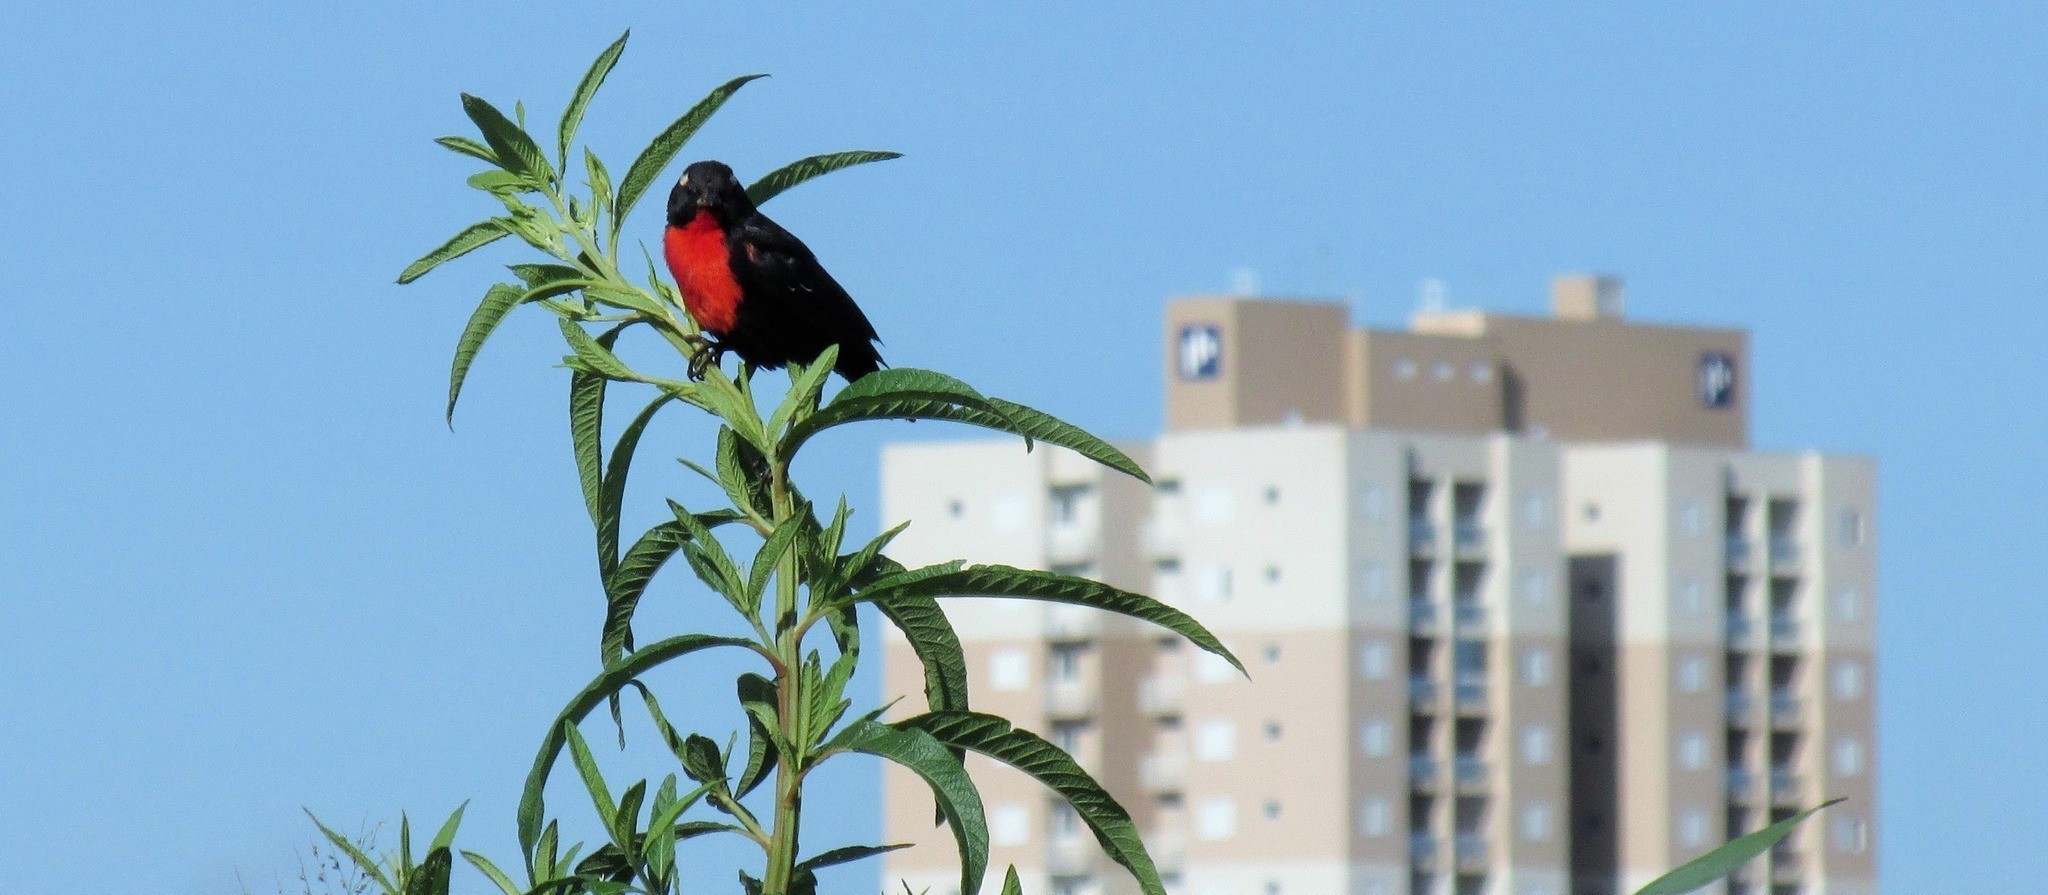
(754,287)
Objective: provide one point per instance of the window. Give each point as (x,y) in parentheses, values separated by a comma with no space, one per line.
(1066,501)
(1216,740)
(1213,669)
(1010,825)
(1067,735)
(1441,371)
(1066,824)
(1469,658)
(1535,744)
(1375,738)
(1536,821)
(1372,582)
(1692,596)
(1692,751)
(1373,817)
(1271,653)
(1692,674)
(1271,809)
(1848,603)
(1066,662)
(1212,585)
(1374,502)
(1535,510)
(1848,757)
(1216,818)
(1372,660)
(1481,373)
(955,508)
(1848,680)
(1692,828)
(1272,574)
(1272,731)
(1692,518)
(1404,369)
(1850,528)
(1851,834)
(1215,506)
(1272,496)
(1535,666)
(1009,669)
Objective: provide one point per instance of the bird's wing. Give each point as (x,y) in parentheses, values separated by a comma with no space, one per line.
(773,265)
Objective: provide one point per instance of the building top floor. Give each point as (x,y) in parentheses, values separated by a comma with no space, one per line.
(1582,374)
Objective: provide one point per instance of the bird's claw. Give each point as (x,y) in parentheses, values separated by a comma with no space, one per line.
(709,354)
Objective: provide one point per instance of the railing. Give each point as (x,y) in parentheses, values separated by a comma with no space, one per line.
(1069,700)
(1471,851)
(1163,772)
(1786,866)
(1784,706)
(1784,630)
(1421,690)
(1422,772)
(1471,772)
(1740,628)
(1469,616)
(1784,549)
(1065,621)
(1421,535)
(1071,543)
(1741,783)
(1738,548)
(1468,536)
(1161,695)
(1422,616)
(1784,782)
(1471,693)
(1738,705)
(1422,849)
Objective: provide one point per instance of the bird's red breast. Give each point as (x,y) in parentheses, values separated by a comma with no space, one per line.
(698,259)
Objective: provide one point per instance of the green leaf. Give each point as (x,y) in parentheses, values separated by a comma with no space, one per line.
(757,697)
(498,181)
(431,878)
(806,383)
(598,358)
(659,852)
(446,837)
(600,180)
(1721,861)
(468,147)
(593,779)
(959,802)
(1041,426)
(514,148)
(572,117)
(1006,581)
(712,564)
(847,855)
(498,302)
(1048,764)
(472,237)
(937,646)
(1010,884)
(586,427)
(641,174)
(742,472)
(363,862)
(772,550)
(490,870)
(626,821)
(612,498)
(636,569)
(816,166)
(532,805)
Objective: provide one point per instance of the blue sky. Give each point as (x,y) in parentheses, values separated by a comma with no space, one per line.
(245,568)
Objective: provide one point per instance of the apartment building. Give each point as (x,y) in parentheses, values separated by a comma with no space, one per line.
(1522,612)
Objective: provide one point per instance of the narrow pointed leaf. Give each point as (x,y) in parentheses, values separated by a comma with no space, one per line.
(446,837)
(937,646)
(642,173)
(431,877)
(363,862)
(958,800)
(472,237)
(1720,862)
(515,150)
(572,117)
(613,496)
(848,854)
(1048,764)
(468,147)
(499,301)
(816,166)
(1005,581)
(636,570)
(757,697)
(597,357)
(806,384)
(491,871)
(586,426)
(593,779)
(613,679)
(1010,884)
(771,553)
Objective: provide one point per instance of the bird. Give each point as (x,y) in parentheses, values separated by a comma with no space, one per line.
(752,286)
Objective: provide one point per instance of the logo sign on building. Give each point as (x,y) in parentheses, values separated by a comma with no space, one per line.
(1198,353)
(1716,380)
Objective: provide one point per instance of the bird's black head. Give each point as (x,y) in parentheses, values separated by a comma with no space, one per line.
(708,186)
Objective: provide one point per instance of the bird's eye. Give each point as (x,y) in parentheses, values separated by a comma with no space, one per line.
(685,181)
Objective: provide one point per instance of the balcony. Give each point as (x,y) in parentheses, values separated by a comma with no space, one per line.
(1161,536)
(1784,787)
(1421,537)
(1784,632)
(1471,774)
(1422,773)
(1163,772)
(1421,693)
(1471,695)
(1422,851)
(1784,708)
(1784,551)
(1738,707)
(1738,550)
(1468,617)
(1069,701)
(1468,538)
(1471,852)
(1070,855)
(1787,866)
(1169,851)
(1065,622)
(1741,785)
(1740,630)
(1161,695)
(1422,617)
(1070,543)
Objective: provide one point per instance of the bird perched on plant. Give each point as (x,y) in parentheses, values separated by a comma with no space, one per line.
(754,288)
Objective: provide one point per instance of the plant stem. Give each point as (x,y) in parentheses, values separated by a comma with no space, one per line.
(782,850)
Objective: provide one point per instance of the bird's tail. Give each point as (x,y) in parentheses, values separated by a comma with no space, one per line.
(857,359)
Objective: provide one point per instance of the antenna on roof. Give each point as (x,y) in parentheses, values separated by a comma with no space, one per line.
(1432,297)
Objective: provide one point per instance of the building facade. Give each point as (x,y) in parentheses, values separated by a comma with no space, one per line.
(1522,614)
